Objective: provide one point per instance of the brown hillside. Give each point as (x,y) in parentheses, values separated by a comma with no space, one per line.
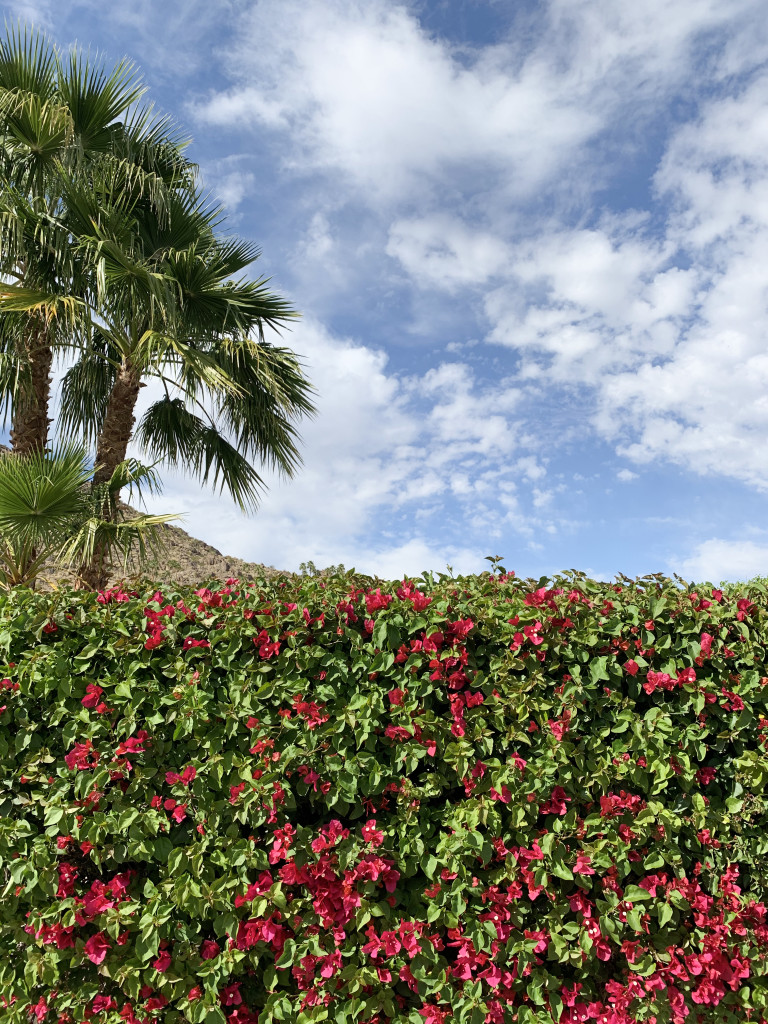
(185,560)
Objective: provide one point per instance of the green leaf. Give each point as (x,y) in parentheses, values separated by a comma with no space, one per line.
(665,914)
(635,894)
(597,669)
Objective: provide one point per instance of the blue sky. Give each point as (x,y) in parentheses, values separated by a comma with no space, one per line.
(530,245)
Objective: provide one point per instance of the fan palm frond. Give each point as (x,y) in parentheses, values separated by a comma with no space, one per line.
(17,299)
(85,390)
(48,512)
(173,434)
(28,61)
(96,98)
(40,494)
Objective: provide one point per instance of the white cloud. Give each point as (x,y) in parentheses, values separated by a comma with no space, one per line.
(668,332)
(706,406)
(658,322)
(590,302)
(626,475)
(362,88)
(442,252)
(30,13)
(232,188)
(719,560)
(382,448)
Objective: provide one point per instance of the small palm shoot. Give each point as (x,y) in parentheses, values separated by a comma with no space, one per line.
(49,512)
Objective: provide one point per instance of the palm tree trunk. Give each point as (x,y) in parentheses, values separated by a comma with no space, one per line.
(117,428)
(111,449)
(30,416)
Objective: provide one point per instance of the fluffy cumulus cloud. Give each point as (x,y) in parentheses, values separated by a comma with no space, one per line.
(381,458)
(718,560)
(362,89)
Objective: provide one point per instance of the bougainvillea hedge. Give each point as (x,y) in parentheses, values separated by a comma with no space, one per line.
(474,799)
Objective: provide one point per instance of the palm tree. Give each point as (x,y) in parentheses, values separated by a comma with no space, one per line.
(61,119)
(143,287)
(50,511)
(167,305)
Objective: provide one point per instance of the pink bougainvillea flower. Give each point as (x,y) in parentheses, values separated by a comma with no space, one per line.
(371,834)
(230,996)
(557,803)
(163,962)
(267,648)
(133,744)
(103,1004)
(583,865)
(376,600)
(209,950)
(96,948)
(92,695)
(560,726)
(39,1010)
(190,642)
(82,756)
(397,733)
(705,775)
(459,630)
(433,1014)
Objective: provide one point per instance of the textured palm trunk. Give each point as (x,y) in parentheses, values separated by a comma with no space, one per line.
(111,450)
(29,433)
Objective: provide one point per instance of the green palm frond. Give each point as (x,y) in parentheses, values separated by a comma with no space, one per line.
(190,225)
(135,476)
(20,563)
(48,512)
(157,143)
(17,299)
(95,98)
(273,394)
(106,531)
(40,494)
(173,434)
(35,246)
(196,369)
(28,61)
(138,537)
(37,129)
(85,390)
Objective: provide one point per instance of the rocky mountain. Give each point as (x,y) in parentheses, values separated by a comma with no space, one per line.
(184,560)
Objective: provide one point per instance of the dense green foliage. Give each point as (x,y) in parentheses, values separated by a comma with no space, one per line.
(478,799)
